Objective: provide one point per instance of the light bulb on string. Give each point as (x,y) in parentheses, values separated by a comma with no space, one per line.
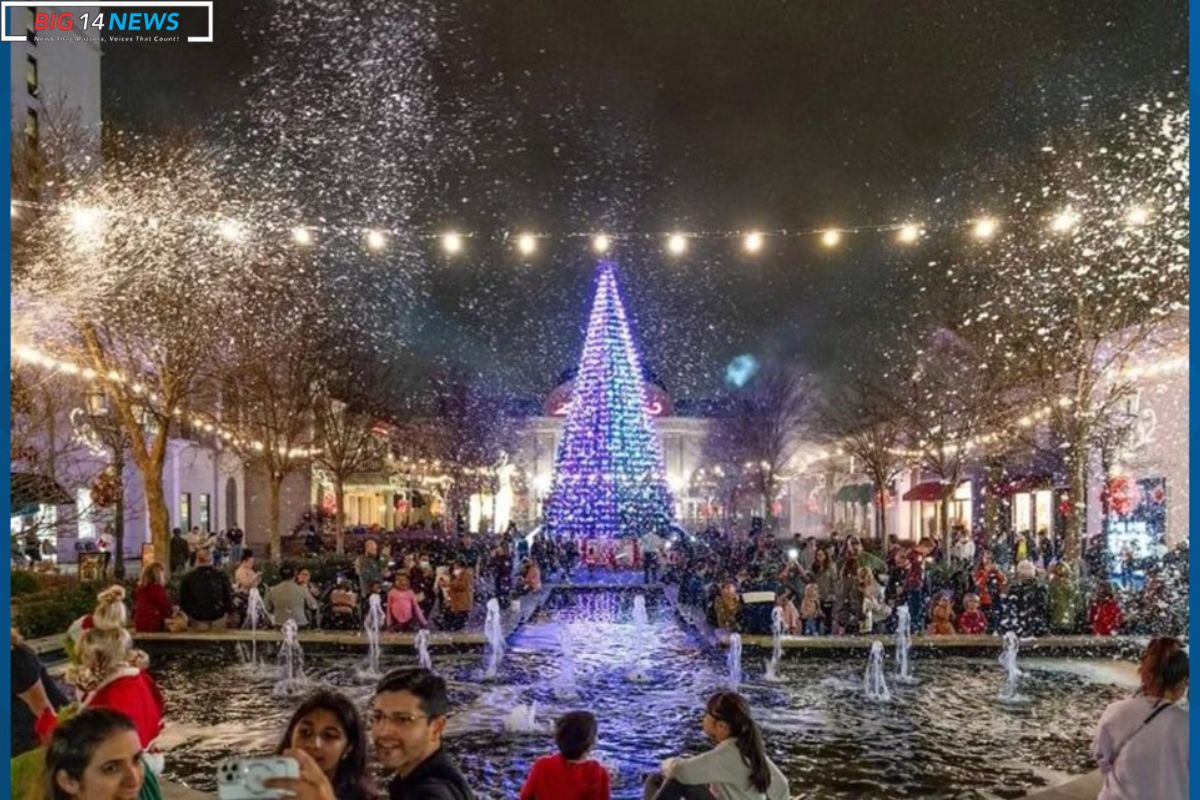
(376,240)
(831,237)
(753,242)
(527,244)
(1137,216)
(1064,221)
(677,244)
(909,233)
(452,242)
(984,228)
(601,243)
(302,236)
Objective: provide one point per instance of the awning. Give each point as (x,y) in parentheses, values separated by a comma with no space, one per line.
(858,493)
(927,492)
(29,490)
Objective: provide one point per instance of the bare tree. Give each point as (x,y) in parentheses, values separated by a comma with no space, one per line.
(760,430)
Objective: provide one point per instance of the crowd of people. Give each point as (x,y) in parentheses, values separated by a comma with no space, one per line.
(101,747)
(842,585)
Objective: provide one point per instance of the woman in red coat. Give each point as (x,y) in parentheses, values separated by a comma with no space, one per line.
(111,674)
(151,605)
(1105,615)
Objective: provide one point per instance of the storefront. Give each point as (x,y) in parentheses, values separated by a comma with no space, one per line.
(924,503)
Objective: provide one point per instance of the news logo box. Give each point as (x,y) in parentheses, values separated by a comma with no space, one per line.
(115,17)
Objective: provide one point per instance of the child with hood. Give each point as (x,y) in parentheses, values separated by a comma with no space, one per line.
(810,610)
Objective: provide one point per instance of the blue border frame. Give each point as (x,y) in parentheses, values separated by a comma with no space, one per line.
(5,479)
(1193,382)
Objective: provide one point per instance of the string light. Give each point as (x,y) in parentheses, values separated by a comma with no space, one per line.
(302,236)
(85,220)
(376,240)
(1064,221)
(909,233)
(527,244)
(1137,216)
(452,243)
(231,230)
(601,243)
(753,242)
(831,237)
(677,244)
(984,228)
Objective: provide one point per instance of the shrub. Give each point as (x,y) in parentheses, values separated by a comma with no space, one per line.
(52,612)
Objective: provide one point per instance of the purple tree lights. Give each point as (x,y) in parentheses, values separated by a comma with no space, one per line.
(609,478)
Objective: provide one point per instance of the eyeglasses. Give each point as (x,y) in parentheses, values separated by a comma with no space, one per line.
(399,720)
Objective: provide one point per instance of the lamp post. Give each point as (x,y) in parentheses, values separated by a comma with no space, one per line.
(112,435)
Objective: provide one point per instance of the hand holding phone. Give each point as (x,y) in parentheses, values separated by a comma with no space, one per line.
(245,778)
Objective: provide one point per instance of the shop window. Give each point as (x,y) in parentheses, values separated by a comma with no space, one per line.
(185,512)
(204,517)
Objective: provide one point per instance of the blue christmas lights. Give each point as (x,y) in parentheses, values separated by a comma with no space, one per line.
(609,478)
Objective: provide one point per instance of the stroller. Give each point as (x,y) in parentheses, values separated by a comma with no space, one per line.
(340,616)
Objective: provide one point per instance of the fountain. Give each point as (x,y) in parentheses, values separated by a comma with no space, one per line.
(522,719)
(1008,660)
(422,644)
(291,663)
(734,660)
(874,685)
(256,615)
(564,684)
(371,627)
(903,644)
(495,638)
(639,610)
(772,672)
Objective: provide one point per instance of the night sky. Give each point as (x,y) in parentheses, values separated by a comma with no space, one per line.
(665,115)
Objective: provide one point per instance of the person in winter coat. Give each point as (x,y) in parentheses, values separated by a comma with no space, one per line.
(737,768)
(971,620)
(848,599)
(1105,617)
(151,605)
(824,574)
(990,584)
(727,605)
(875,610)
(205,594)
(1064,599)
(461,595)
(790,614)
(403,611)
(941,617)
(1027,610)
(569,774)
(810,611)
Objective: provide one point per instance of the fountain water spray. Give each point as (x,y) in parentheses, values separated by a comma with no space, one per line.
(564,684)
(522,719)
(772,673)
(495,638)
(639,610)
(422,643)
(1008,659)
(256,616)
(734,660)
(372,625)
(903,645)
(291,663)
(874,684)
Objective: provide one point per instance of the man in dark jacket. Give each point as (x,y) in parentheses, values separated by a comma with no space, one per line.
(407,718)
(205,594)
(179,550)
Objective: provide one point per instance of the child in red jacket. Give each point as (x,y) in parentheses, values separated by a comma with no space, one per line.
(569,775)
(972,620)
(1105,616)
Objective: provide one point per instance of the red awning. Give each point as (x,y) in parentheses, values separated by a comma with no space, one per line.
(926,492)
(1024,483)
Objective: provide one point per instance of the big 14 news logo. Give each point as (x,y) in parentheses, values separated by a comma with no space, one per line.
(117,20)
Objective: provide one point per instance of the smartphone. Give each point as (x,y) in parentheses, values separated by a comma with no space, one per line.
(242,778)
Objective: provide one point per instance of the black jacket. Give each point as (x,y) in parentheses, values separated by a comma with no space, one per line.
(205,594)
(436,778)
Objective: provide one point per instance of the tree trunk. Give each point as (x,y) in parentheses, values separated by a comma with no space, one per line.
(1077,517)
(991,501)
(339,514)
(276,543)
(880,513)
(944,522)
(160,518)
(119,522)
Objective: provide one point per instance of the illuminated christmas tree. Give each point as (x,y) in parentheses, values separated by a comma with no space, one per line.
(609,479)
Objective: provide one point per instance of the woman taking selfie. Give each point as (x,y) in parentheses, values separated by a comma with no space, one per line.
(1142,743)
(329,728)
(96,755)
(736,769)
